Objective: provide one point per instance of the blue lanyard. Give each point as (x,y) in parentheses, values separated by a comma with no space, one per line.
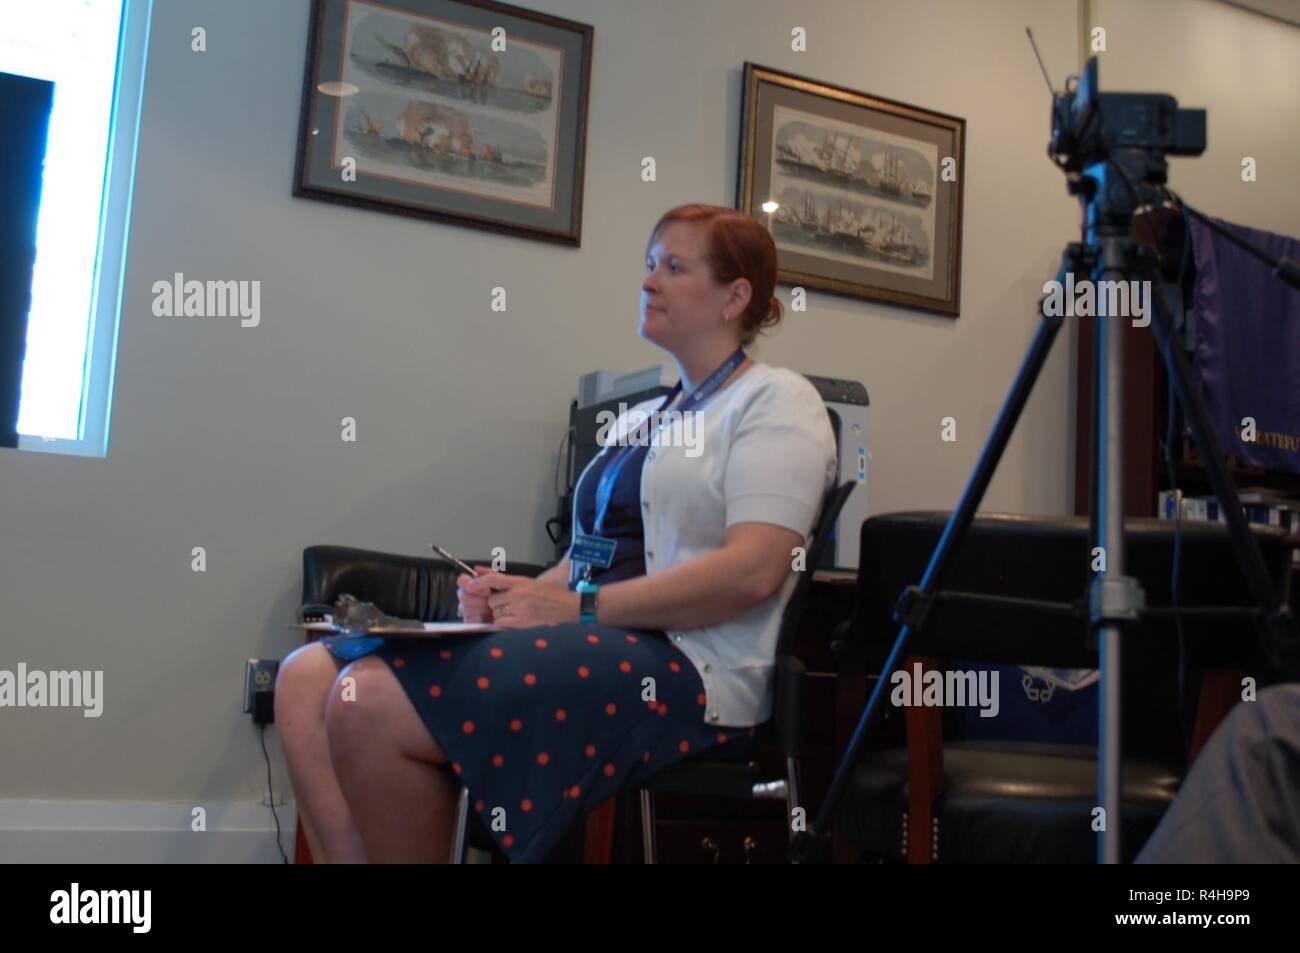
(605,488)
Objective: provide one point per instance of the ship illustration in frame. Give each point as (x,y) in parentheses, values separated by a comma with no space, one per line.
(862,195)
(470,112)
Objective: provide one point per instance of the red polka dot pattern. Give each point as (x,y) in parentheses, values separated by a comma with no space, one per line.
(560,689)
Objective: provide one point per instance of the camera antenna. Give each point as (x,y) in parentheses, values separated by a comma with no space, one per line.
(1046,78)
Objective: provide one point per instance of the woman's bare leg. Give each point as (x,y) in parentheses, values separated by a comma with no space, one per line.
(302,688)
(390,769)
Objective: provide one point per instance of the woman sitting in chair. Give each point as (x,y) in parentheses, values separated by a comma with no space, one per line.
(651,641)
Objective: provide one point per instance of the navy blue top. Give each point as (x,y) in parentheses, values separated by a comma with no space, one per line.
(623,522)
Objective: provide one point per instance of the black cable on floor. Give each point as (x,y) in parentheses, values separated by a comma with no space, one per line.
(261,734)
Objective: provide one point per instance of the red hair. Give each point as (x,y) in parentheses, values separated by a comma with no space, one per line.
(735,246)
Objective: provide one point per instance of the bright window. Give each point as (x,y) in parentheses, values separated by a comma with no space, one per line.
(93,51)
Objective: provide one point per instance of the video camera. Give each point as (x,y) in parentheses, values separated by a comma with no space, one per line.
(1087,125)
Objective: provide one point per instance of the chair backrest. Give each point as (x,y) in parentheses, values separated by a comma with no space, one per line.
(834,501)
(1049,558)
(409,587)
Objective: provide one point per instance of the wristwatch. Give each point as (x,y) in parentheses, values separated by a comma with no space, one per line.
(587,602)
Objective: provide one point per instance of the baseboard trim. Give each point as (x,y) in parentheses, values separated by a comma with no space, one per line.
(141,832)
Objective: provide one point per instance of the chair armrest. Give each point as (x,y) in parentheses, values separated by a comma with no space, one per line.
(409,587)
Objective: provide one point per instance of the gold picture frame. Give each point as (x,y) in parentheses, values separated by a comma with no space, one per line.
(868,190)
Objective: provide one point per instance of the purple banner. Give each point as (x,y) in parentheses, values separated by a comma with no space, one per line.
(1248,345)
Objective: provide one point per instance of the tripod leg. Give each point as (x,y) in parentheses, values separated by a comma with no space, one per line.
(1073,261)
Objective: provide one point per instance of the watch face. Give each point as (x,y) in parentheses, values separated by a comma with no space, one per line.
(588,606)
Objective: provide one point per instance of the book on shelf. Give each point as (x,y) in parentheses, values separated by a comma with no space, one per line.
(1281,511)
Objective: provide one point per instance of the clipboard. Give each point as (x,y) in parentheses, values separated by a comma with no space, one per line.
(430,630)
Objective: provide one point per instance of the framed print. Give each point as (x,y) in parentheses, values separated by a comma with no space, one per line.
(865,193)
(462,111)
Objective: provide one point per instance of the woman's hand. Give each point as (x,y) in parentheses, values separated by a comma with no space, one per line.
(471,606)
(517,602)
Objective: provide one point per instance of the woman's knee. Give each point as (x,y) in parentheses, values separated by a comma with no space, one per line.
(354,711)
(303,680)
(368,709)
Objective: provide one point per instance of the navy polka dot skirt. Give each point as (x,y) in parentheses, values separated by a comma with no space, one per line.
(545,724)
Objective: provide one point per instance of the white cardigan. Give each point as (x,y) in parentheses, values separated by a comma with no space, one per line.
(761,450)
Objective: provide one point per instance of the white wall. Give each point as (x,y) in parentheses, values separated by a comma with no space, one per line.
(1244,70)
(228,437)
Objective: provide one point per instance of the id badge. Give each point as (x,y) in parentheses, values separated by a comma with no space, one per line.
(593,550)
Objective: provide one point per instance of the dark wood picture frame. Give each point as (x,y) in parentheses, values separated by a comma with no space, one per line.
(862,179)
(441,158)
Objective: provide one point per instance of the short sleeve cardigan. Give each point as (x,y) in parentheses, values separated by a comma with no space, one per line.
(761,450)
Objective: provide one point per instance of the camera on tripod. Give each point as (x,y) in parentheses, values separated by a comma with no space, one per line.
(1114,150)
(1087,125)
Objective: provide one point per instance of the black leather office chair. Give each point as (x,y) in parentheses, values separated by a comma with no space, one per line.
(1016,802)
(735,775)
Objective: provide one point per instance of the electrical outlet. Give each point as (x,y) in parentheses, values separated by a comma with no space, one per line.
(259,676)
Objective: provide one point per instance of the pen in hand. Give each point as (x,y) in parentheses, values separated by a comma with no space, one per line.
(461,565)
